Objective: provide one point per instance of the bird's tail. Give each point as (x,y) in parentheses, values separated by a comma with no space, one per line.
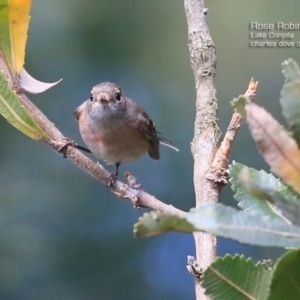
(167,143)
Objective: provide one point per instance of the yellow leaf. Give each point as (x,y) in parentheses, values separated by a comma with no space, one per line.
(14,22)
(276,146)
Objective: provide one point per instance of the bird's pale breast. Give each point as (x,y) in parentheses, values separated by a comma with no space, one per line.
(117,142)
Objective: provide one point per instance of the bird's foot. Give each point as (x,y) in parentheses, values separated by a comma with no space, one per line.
(64,146)
(113,178)
(68,142)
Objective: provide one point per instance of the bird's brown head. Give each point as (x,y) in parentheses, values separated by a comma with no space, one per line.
(106,98)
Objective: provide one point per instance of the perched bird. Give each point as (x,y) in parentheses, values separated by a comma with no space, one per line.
(115,128)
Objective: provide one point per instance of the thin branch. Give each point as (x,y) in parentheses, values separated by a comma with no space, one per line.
(206,131)
(138,197)
(219,167)
(56,140)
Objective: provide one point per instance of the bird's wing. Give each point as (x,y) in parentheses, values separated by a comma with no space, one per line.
(147,128)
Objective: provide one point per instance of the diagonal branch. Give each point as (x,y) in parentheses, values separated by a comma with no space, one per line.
(138,197)
(56,140)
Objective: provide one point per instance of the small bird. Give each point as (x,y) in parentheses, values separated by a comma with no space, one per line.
(116,129)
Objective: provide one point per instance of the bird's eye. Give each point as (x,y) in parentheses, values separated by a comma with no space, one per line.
(91,97)
(118,95)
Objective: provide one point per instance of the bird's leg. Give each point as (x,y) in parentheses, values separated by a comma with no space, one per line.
(114,176)
(82,148)
(68,142)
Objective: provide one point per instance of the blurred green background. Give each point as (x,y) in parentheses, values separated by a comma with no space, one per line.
(65,236)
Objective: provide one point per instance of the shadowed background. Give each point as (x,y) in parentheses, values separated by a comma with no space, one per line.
(64,235)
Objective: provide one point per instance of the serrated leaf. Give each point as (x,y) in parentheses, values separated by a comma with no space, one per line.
(236,278)
(248,202)
(262,194)
(287,208)
(267,263)
(15,113)
(276,146)
(290,97)
(14,22)
(239,105)
(155,223)
(225,221)
(286,278)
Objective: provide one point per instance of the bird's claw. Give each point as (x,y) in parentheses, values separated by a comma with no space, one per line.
(64,147)
(113,178)
(68,142)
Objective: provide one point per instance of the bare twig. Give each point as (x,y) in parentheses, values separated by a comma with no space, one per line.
(219,167)
(206,131)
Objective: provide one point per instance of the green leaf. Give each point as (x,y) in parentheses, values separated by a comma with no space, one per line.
(290,97)
(5,41)
(15,113)
(286,278)
(252,203)
(289,209)
(227,222)
(236,278)
(239,105)
(154,223)
(263,194)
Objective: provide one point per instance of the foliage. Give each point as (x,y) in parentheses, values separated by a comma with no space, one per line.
(270,206)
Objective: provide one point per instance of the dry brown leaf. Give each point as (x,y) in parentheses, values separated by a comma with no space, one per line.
(276,146)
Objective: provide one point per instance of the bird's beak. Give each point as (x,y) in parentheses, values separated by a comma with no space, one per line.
(103,98)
